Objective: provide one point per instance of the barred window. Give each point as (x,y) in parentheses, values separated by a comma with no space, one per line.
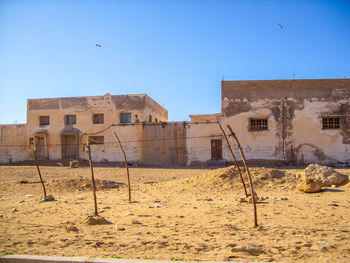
(258,124)
(96,139)
(330,122)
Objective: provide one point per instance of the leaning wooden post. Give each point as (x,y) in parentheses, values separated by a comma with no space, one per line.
(92,176)
(37,167)
(235,160)
(250,178)
(126,164)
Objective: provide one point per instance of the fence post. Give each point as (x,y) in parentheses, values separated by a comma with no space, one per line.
(126,164)
(37,167)
(92,176)
(235,160)
(249,177)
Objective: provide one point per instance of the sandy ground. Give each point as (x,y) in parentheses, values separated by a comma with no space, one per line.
(189,214)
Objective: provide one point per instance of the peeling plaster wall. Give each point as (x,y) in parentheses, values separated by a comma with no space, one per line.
(294,109)
(13,144)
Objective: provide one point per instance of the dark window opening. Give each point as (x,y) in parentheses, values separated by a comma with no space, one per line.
(156,120)
(125,117)
(150,118)
(44,120)
(330,122)
(258,124)
(70,119)
(98,118)
(96,139)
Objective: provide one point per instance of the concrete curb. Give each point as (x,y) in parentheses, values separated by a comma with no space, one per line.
(49,259)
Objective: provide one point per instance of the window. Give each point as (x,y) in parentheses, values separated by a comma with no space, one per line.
(125,117)
(70,119)
(156,120)
(258,124)
(96,139)
(31,140)
(330,122)
(44,120)
(150,118)
(98,118)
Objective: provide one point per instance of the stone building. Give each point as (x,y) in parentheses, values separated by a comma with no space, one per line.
(59,127)
(277,121)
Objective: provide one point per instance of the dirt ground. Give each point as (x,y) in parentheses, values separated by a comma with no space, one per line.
(178,214)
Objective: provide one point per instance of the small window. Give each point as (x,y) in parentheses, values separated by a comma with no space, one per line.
(31,140)
(258,124)
(150,118)
(44,120)
(330,122)
(70,119)
(98,118)
(156,120)
(125,117)
(96,139)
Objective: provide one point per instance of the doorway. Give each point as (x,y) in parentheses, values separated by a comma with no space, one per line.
(40,143)
(216,149)
(69,146)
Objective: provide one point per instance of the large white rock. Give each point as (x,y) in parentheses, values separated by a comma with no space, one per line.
(325,176)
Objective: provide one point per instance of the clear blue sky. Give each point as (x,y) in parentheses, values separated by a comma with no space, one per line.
(175,51)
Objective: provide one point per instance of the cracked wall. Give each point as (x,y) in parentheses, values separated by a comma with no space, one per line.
(294,109)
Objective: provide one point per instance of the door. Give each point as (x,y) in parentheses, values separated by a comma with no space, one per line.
(69,147)
(40,147)
(216,149)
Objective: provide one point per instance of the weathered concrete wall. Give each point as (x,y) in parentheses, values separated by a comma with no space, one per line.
(13,144)
(164,144)
(155,110)
(294,109)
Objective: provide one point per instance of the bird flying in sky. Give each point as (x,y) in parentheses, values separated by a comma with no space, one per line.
(98,45)
(280,25)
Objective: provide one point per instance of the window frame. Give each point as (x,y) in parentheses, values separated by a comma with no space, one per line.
(125,114)
(44,123)
(331,122)
(96,120)
(258,126)
(74,119)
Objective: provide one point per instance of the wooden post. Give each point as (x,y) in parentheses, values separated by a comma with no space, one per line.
(249,177)
(37,167)
(92,177)
(235,160)
(126,164)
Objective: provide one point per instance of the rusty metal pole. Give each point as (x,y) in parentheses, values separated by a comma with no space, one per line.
(37,167)
(235,160)
(92,177)
(249,176)
(126,164)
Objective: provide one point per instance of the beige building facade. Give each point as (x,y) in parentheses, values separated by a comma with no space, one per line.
(277,122)
(60,128)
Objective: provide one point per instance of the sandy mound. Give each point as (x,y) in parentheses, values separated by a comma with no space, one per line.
(82,184)
(95,220)
(228,178)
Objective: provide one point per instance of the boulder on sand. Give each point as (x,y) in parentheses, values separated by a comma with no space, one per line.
(309,186)
(323,175)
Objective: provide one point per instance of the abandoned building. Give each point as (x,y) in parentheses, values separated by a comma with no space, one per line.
(297,121)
